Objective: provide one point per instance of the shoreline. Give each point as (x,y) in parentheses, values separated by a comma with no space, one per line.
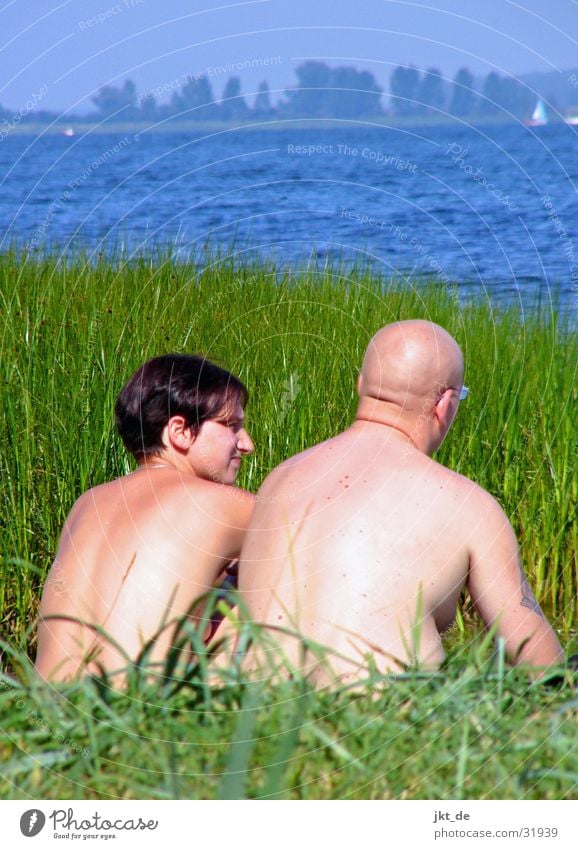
(526,299)
(172,126)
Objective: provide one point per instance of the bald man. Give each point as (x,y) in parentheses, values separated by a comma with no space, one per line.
(362,544)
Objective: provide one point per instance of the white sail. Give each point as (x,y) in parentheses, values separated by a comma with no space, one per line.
(539,114)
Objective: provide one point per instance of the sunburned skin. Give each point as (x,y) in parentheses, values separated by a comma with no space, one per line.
(363,544)
(136,553)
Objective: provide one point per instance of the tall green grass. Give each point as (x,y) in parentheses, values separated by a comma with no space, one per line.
(73,331)
(473,730)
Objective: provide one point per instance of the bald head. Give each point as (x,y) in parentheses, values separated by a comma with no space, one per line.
(411,362)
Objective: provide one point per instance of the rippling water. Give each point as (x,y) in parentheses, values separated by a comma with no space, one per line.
(492,209)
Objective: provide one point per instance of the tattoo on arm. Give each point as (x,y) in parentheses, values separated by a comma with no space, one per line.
(528,599)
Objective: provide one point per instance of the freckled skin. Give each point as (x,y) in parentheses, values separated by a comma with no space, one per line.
(137,552)
(363,544)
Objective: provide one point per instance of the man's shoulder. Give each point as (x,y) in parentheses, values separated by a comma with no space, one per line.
(465,489)
(281,476)
(477,510)
(299,464)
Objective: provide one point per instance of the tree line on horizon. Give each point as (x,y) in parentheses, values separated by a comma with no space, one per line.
(320,92)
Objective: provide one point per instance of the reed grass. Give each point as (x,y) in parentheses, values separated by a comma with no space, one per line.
(473,730)
(73,331)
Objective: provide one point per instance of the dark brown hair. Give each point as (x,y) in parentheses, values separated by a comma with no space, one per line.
(173,385)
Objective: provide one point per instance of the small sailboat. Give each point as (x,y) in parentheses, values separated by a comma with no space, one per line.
(68,132)
(539,117)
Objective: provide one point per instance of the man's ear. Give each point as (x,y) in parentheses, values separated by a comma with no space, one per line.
(178,434)
(445,409)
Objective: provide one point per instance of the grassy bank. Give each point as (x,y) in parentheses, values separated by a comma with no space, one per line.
(472,731)
(72,333)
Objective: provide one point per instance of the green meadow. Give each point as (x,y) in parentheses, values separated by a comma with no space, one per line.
(71,334)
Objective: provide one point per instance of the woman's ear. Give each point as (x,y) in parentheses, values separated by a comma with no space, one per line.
(178,434)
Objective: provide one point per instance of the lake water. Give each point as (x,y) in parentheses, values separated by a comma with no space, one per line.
(494,210)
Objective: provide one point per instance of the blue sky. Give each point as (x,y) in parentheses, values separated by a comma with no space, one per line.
(63,52)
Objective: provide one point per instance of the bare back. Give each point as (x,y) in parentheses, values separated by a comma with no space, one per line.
(134,555)
(363,544)
(351,540)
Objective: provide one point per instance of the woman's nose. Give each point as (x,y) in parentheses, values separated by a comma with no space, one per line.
(245,443)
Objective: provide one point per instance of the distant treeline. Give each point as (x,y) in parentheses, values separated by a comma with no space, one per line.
(320,92)
(415,93)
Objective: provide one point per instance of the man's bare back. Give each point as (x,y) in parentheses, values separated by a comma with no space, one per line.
(136,553)
(363,543)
